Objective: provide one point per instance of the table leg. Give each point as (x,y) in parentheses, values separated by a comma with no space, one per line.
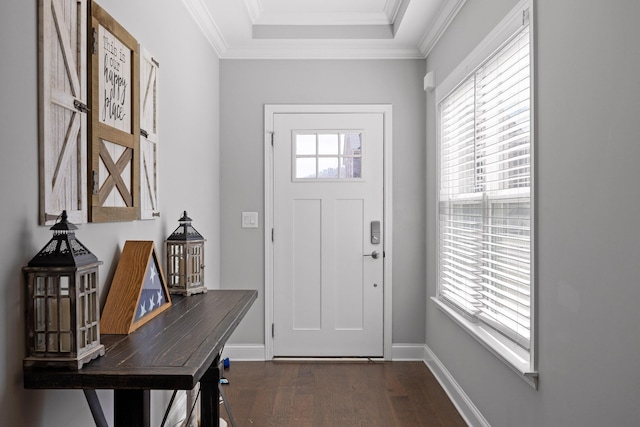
(210,396)
(131,408)
(96,409)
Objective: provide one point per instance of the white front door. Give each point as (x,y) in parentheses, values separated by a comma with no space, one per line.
(328,235)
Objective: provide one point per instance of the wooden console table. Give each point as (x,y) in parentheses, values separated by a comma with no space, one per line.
(174,351)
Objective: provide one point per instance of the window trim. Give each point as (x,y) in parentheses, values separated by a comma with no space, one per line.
(521,361)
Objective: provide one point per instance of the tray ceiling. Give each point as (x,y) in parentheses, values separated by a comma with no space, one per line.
(325,29)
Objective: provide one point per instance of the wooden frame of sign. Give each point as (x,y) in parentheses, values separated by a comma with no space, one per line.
(114,178)
(138,291)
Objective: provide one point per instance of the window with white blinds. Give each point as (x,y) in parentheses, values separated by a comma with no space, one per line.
(485,196)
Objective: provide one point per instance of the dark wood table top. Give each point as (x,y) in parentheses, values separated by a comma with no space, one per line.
(170,352)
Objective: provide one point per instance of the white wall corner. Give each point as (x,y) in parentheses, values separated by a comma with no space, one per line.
(429,82)
(469,412)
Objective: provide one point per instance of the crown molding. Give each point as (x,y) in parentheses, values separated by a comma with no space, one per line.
(447,13)
(395,8)
(399,16)
(200,14)
(305,52)
(255,9)
(323,32)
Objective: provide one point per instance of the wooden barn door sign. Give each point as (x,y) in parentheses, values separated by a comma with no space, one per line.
(149,195)
(62,134)
(115,121)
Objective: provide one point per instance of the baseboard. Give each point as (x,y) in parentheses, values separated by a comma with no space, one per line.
(406,352)
(256,352)
(244,352)
(469,412)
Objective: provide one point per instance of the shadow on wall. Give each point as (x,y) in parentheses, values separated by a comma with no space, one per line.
(108,276)
(29,402)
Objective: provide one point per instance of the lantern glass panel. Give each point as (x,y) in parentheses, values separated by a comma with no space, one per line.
(65,314)
(64,285)
(40,313)
(65,342)
(82,310)
(53,342)
(40,343)
(93,309)
(39,288)
(52,284)
(52,314)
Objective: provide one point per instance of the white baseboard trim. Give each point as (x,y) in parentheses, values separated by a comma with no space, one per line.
(469,412)
(244,352)
(407,352)
(256,352)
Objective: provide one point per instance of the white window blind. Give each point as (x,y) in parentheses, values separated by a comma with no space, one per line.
(485,205)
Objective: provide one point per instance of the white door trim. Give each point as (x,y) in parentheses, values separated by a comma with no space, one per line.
(269,111)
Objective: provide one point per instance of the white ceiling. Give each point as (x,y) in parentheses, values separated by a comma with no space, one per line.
(323,29)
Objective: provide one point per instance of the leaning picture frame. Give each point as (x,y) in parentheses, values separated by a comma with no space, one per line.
(138,291)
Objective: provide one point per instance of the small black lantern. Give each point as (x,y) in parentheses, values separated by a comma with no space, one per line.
(62,310)
(185,259)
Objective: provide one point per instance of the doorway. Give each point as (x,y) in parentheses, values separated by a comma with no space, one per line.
(327,233)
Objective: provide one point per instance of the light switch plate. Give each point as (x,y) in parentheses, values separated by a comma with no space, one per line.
(249,219)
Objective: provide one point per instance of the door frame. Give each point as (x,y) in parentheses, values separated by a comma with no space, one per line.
(270,110)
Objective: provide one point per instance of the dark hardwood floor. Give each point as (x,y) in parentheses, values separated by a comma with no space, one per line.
(336,394)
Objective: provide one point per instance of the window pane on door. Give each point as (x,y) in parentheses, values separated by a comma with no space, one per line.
(306,167)
(306,145)
(351,167)
(328,167)
(328,144)
(350,144)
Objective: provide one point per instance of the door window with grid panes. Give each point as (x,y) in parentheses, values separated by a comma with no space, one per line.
(327,155)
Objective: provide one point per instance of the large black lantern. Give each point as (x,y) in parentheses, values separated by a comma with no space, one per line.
(62,310)
(185,259)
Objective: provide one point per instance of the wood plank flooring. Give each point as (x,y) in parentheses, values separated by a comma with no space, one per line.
(336,394)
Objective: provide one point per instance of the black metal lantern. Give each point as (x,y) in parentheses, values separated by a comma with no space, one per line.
(62,310)
(185,259)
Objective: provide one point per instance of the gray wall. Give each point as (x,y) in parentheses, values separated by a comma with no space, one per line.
(588,99)
(588,241)
(247,85)
(189,180)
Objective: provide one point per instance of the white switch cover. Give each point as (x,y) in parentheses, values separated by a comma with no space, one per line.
(249,219)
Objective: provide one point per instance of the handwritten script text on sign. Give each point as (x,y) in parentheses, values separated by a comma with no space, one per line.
(114,89)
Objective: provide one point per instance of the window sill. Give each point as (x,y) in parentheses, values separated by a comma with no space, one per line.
(496,343)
